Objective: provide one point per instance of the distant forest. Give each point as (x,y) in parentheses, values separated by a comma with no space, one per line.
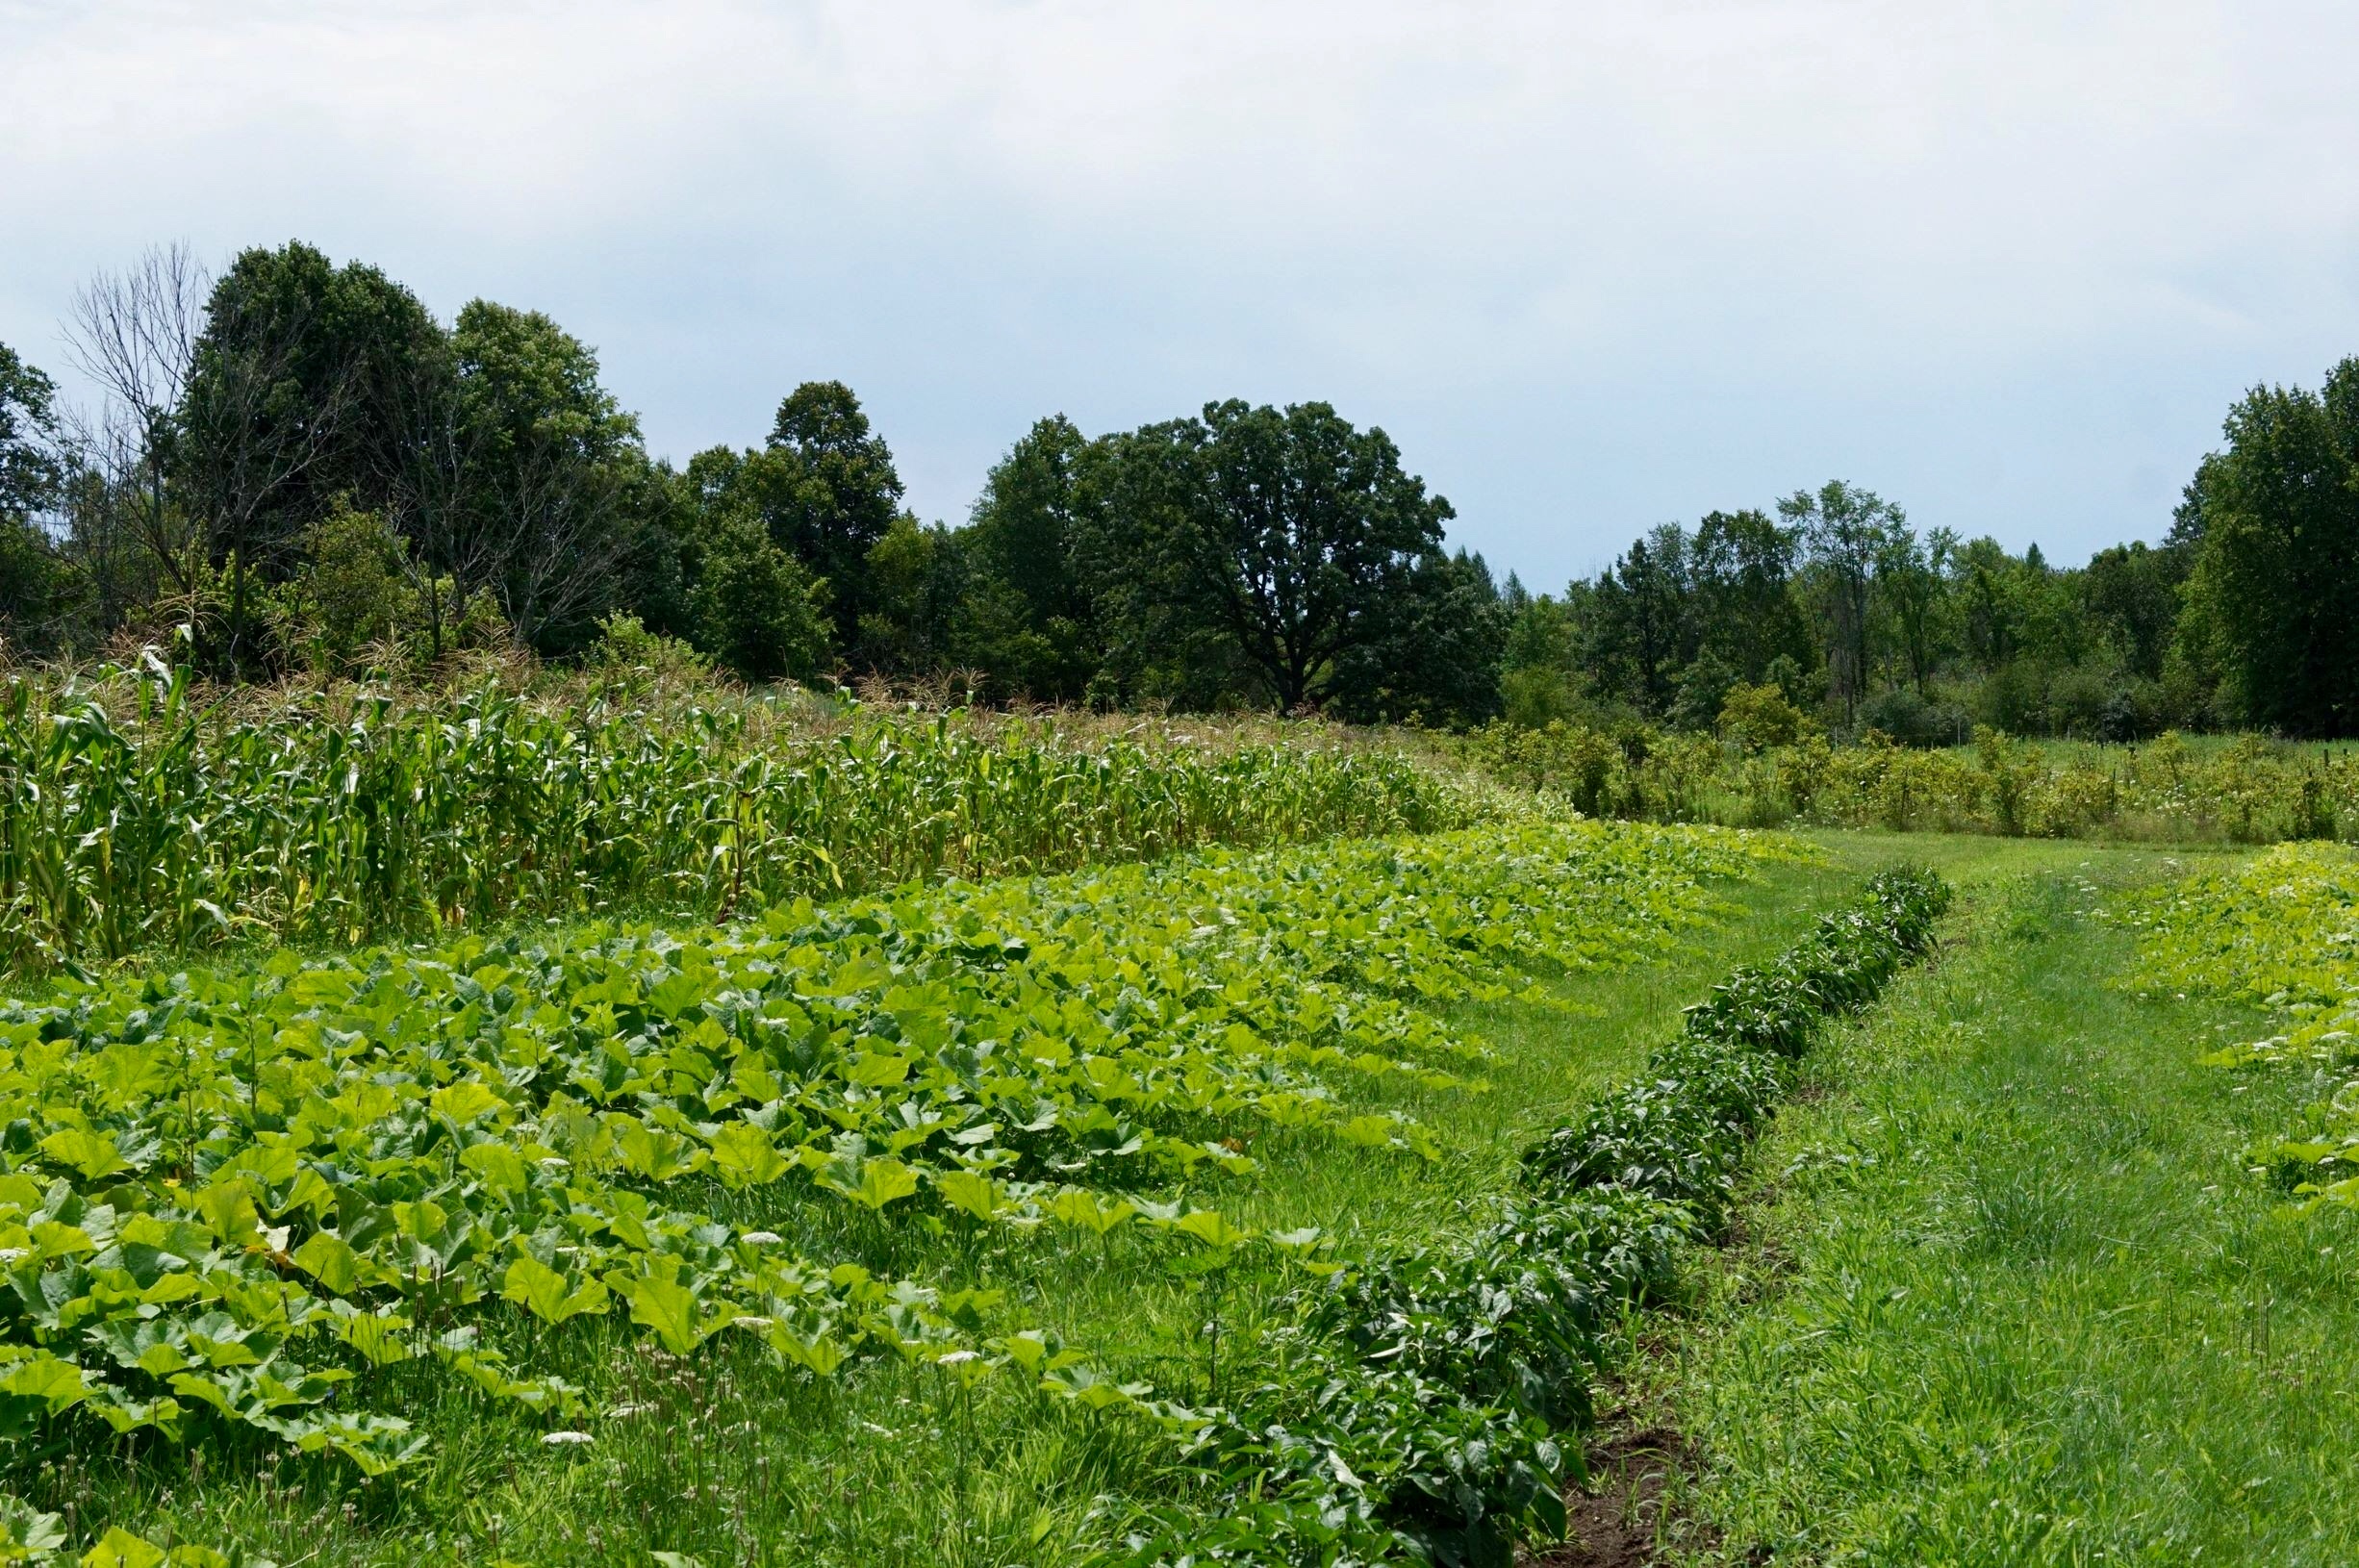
(299,465)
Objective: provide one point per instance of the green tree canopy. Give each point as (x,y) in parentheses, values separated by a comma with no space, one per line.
(827,487)
(31,470)
(1847,529)
(36,583)
(559,490)
(1032,617)
(2274,594)
(1290,536)
(291,402)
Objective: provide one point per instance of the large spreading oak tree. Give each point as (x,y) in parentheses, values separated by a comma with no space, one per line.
(1294,534)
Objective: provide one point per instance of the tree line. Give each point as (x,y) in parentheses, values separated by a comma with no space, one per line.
(296,460)
(2245,616)
(300,464)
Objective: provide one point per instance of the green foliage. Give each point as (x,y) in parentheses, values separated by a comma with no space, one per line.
(915,579)
(1438,660)
(626,648)
(1422,1402)
(2280,532)
(1865,624)
(552,503)
(1246,556)
(30,470)
(293,399)
(1852,533)
(38,584)
(754,608)
(1759,718)
(157,824)
(2282,930)
(822,495)
(255,1199)
(1030,615)
(1289,539)
(1679,1130)
(352,593)
(2246,790)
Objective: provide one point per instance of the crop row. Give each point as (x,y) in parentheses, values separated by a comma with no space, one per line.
(242,1197)
(155,822)
(1423,1402)
(2282,932)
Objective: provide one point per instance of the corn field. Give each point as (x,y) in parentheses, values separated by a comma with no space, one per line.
(135,816)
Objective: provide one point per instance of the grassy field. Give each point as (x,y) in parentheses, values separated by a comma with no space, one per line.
(2007,1293)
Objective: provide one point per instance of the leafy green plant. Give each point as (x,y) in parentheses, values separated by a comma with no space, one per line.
(2283,931)
(271,1198)
(1424,1404)
(1763,770)
(135,818)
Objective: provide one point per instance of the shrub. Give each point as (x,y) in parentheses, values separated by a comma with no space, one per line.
(625,648)
(1758,717)
(353,602)
(1912,720)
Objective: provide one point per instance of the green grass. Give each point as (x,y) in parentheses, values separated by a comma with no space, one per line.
(2006,1295)
(729,1458)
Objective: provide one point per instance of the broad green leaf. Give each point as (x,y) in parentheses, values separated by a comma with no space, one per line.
(547,1294)
(118,1548)
(465,1101)
(84,1152)
(501,1168)
(878,1069)
(820,1353)
(676,994)
(1207,1226)
(978,1195)
(329,1260)
(382,1337)
(46,1376)
(744,1156)
(875,1183)
(667,1309)
(1084,1209)
(322,987)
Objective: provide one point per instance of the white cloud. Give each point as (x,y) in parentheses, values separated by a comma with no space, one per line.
(1595,265)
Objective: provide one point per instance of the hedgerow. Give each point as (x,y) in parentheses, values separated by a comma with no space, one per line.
(1427,1407)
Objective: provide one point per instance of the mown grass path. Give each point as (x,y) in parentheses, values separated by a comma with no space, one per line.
(2006,1294)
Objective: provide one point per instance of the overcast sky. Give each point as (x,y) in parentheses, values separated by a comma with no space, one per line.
(1594,267)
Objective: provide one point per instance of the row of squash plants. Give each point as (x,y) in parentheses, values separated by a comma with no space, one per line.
(1427,1408)
(267,1199)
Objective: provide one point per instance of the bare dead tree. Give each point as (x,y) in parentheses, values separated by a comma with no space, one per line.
(134,333)
(248,445)
(437,456)
(564,512)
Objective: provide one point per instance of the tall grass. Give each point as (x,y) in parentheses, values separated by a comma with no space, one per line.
(136,815)
(2243,790)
